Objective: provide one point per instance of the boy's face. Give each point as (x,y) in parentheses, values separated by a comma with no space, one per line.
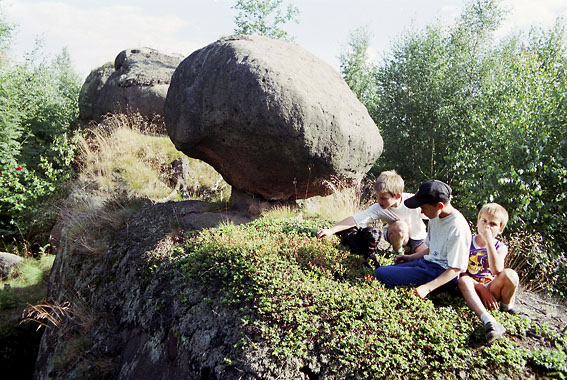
(488,222)
(387,200)
(431,211)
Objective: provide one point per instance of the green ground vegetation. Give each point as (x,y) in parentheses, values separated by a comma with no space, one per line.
(311,297)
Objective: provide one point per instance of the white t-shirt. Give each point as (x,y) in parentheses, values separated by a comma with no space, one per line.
(412,217)
(449,240)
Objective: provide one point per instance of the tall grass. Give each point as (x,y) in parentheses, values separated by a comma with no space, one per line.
(118,156)
(345,199)
(122,165)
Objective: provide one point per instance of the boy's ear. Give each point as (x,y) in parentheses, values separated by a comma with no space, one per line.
(440,205)
(397,196)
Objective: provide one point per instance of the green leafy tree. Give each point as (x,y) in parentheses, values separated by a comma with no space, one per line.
(427,89)
(522,114)
(38,110)
(357,69)
(264,17)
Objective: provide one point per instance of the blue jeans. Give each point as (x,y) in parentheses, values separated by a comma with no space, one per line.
(415,272)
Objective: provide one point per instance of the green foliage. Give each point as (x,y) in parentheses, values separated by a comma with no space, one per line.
(27,284)
(5,36)
(264,17)
(524,110)
(487,118)
(356,68)
(38,107)
(310,297)
(426,91)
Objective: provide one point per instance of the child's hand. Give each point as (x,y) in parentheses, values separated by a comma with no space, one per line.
(321,234)
(421,291)
(486,233)
(487,298)
(402,259)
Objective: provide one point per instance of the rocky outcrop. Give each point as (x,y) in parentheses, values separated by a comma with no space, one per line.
(273,119)
(137,315)
(137,82)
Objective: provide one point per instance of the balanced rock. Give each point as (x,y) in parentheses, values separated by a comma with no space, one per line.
(137,82)
(270,117)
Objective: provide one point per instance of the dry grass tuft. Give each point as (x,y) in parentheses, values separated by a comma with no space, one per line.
(280,212)
(345,200)
(47,314)
(530,256)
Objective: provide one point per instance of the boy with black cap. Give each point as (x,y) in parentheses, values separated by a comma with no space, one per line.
(448,240)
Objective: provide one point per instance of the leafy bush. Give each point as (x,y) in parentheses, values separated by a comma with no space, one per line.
(38,103)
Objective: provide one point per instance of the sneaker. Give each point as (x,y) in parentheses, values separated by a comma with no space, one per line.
(493,330)
(511,310)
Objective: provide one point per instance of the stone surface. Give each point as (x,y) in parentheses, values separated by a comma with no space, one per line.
(138,315)
(7,262)
(269,116)
(137,82)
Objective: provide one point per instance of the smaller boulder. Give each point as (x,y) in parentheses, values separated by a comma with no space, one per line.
(7,262)
(137,82)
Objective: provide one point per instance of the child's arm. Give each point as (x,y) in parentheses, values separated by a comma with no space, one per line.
(449,274)
(495,257)
(407,258)
(344,224)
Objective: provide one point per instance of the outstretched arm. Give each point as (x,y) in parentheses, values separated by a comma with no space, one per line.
(449,274)
(407,258)
(344,224)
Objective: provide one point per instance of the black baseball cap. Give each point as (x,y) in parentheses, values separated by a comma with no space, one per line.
(430,192)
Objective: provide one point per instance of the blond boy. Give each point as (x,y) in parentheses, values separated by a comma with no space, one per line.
(404,226)
(486,283)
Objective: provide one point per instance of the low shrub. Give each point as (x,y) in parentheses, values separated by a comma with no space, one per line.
(312,298)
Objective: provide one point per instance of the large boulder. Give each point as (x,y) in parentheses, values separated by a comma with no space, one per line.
(270,117)
(137,82)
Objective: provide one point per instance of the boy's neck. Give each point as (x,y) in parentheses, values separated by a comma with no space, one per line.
(480,242)
(398,202)
(447,210)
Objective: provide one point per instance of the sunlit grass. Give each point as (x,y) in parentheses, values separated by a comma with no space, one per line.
(119,157)
(26,283)
(344,201)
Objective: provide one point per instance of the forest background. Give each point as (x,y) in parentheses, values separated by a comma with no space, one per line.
(453,103)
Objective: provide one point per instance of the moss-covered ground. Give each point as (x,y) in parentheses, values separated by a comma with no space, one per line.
(312,298)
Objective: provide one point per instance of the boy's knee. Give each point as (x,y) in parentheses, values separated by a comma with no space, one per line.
(465,282)
(510,276)
(381,276)
(399,228)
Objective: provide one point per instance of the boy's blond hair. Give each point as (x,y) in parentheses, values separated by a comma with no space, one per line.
(389,181)
(497,211)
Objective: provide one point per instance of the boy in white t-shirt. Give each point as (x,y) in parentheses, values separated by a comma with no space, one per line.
(405,226)
(448,241)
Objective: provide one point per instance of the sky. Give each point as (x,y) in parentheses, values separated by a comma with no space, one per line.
(95,31)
